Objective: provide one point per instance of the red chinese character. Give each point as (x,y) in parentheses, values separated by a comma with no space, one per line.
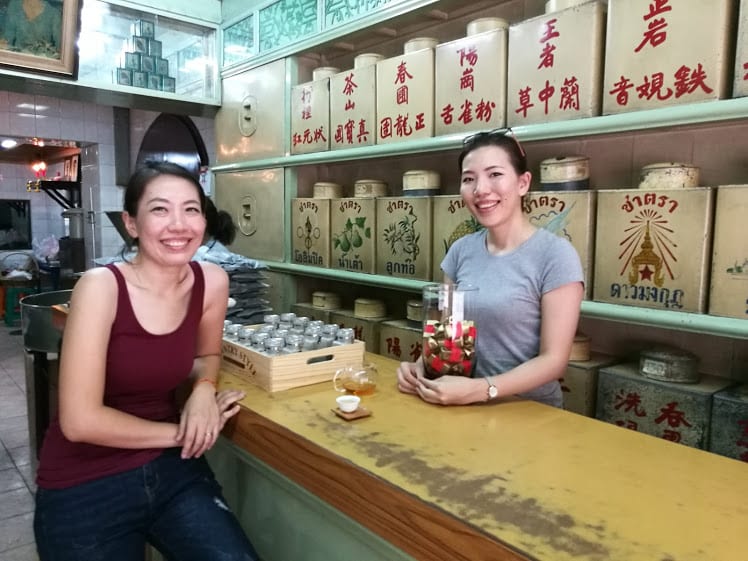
(306,95)
(744,423)
(319,135)
(402,95)
(415,351)
(349,124)
(687,81)
(673,417)
(420,121)
(385,127)
(402,74)
(467,80)
(630,401)
(296,139)
(671,435)
(545,94)
(549,31)
(745,67)
(524,101)
(620,90)
(402,128)
(339,135)
(306,112)
(350,85)
(471,56)
(349,104)
(569,94)
(655,34)
(466,115)
(656,87)
(546,56)
(308,139)
(484,110)
(446,114)
(393,346)
(363,133)
(657,8)
(632,425)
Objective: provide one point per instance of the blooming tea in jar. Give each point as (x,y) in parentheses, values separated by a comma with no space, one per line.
(449,331)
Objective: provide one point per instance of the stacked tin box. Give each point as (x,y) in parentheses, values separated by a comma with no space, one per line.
(144,65)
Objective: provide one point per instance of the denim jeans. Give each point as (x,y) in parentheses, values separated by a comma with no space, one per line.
(174,504)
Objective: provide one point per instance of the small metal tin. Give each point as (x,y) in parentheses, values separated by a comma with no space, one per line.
(420,43)
(668,175)
(421,183)
(369,308)
(669,365)
(367,188)
(482,25)
(323,72)
(565,173)
(366,59)
(414,312)
(327,190)
(325,300)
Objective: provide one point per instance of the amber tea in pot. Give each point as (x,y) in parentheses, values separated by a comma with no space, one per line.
(356,380)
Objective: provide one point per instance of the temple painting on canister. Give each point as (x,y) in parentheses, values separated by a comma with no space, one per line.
(740,86)
(471,79)
(310,113)
(652,247)
(310,231)
(555,65)
(405,93)
(353,104)
(665,53)
(728,295)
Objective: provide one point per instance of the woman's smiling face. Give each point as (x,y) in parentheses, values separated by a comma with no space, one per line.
(491,187)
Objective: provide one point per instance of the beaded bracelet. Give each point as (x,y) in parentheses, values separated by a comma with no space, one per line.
(211,382)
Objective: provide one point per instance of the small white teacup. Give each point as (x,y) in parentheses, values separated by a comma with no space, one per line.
(348,403)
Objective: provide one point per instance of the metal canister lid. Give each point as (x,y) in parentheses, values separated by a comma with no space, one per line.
(327,190)
(414,310)
(669,365)
(564,168)
(322,72)
(481,25)
(366,188)
(326,300)
(418,179)
(366,59)
(557,5)
(368,308)
(420,43)
(668,175)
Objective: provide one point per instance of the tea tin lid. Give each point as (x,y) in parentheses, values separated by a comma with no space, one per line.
(669,365)
(421,179)
(414,310)
(557,5)
(420,43)
(368,308)
(370,188)
(564,168)
(669,175)
(327,190)
(323,72)
(325,300)
(481,25)
(366,59)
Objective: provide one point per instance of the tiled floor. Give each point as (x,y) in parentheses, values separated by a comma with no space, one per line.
(16,477)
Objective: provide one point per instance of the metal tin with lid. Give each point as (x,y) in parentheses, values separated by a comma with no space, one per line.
(421,183)
(366,59)
(327,190)
(414,312)
(369,308)
(325,300)
(482,25)
(366,188)
(565,173)
(557,5)
(668,175)
(419,43)
(669,365)
(322,72)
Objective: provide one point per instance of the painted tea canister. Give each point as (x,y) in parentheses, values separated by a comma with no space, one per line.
(310,227)
(400,340)
(421,183)
(668,175)
(740,86)
(327,190)
(367,188)
(452,220)
(666,53)
(325,300)
(471,79)
(675,412)
(729,434)
(353,104)
(728,295)
(652,247)
(369,308)
(404,237)
(669,365)
(555,70)
(405,96)
(565,173)
(353,226)
(571,215)
(310,113)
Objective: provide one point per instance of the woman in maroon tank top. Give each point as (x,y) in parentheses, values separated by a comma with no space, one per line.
(122,465)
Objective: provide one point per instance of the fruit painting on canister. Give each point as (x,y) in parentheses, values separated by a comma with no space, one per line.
(353,229)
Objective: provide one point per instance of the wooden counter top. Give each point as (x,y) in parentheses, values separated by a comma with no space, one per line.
(510,480)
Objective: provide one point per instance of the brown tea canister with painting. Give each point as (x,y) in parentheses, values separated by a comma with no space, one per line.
(353,234)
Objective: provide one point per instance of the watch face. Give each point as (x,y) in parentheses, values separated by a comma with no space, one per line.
(492,392)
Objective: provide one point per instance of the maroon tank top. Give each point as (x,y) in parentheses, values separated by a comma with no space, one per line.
(142,374)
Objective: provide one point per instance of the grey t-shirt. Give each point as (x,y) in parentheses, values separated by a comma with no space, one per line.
(506,307)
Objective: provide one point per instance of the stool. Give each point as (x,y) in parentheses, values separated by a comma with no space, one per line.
(13,295)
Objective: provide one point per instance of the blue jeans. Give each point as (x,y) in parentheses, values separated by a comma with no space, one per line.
(174,504)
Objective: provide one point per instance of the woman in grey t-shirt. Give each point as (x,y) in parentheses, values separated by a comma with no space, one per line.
(530,286)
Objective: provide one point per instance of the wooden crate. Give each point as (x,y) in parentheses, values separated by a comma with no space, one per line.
(283,372)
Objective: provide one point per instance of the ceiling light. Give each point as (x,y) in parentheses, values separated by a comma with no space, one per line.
(9,143)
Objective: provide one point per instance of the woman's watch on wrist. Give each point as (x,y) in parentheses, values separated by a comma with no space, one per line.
(492,391)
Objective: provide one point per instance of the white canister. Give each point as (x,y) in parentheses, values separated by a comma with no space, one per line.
(421,183)
(420,43)
(325,300)
(481,25)
(327,190)
(557,5)
(369,308)
(366,59)
(668,175)
(323,72)
(565,173)
(367,188)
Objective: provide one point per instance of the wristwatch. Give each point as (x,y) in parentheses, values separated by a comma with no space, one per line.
(492,391)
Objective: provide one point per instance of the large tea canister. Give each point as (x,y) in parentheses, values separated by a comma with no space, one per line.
(327,190)
(669,365)
(668,175)
(565,173)
(449,331)
(421,183)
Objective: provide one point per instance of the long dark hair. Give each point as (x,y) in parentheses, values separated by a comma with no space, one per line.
(504,139)
(219,224)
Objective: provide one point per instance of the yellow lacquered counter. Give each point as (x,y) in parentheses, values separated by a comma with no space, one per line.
(509,480)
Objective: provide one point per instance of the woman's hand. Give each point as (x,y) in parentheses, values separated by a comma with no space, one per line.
(452,390)
(228,406)
(200,422)
(408,375)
